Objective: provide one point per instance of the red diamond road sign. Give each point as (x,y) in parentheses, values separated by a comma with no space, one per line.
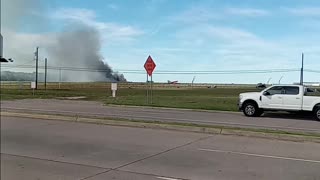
(149,66)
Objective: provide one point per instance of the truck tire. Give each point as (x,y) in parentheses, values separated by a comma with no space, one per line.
(251,110)
(317,113)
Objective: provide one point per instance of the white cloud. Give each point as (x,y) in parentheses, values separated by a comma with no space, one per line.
(153,5)
(219,34)
(305,11)
(197,15)
(113,6)
(209,47)
(248,12)
(232,48)
(84,15)
(231,34)
(110,31)
(21,46)
(204,14)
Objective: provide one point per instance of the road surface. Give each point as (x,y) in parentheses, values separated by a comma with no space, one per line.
(56,150)
(290,122)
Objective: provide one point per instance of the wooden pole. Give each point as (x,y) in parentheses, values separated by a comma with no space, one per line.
(45,73)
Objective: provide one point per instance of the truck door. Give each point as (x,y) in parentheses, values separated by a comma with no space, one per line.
(273,98)
(292,98)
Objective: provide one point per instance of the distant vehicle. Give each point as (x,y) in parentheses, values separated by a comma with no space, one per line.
(261,86)
(172,82)
(291,98)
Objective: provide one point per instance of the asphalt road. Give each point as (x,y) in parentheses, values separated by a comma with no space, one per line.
(283,121)
(56,150)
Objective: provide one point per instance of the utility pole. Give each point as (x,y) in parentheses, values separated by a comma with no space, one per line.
(302,66)
(280,80)
(59,78)
(1,46)
(269,80)
(45,73)
(37,63)
(1,38)
(194,78)
(2,59)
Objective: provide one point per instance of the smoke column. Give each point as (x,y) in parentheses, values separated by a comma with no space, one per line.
(80,47)
(77,47)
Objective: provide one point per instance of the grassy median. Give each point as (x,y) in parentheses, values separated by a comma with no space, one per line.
(224,99)
(208,99)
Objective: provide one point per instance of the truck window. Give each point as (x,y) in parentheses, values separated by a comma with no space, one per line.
(291,90)
(312,92)
(276,90)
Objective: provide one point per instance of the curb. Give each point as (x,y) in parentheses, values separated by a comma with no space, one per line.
(277,135)
(169,108)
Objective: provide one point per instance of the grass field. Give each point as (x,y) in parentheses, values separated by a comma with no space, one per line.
(209,99)
(198,98)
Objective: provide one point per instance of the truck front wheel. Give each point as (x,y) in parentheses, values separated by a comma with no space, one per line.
(317,113)
(251,110)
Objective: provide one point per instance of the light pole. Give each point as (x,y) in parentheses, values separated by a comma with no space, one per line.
(37,64)
(302,66)
(2,59)
(1,40)
(45,73)
(280,79)
(269,80)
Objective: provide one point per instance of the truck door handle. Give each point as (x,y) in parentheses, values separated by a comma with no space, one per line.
(279,97)
(297,98)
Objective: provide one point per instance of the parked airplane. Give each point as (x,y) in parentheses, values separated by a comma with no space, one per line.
(172,82)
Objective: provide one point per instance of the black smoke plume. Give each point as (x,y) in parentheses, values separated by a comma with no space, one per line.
(79,48)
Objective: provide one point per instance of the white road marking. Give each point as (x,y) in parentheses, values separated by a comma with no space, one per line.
(167,178)
(260,155)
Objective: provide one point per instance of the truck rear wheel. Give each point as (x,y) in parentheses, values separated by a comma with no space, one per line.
(317,113)
(251,110)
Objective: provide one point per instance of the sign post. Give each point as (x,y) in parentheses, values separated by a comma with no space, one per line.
(147,86)
(114,88)
(149,66)
(33,87)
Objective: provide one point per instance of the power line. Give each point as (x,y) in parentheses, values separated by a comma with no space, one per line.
(248,71)
(164,71)
(160,71)
(18,65)
(141,70)
(313,71)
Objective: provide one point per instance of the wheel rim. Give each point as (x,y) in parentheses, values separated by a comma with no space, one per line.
(318,114)
(250,110)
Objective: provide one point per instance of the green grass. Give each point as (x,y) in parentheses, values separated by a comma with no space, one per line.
(198,98)
(209,99)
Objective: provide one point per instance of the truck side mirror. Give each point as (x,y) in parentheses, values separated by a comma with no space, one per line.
(266,93)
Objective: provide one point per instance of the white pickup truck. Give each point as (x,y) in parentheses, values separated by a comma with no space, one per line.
(291,98)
